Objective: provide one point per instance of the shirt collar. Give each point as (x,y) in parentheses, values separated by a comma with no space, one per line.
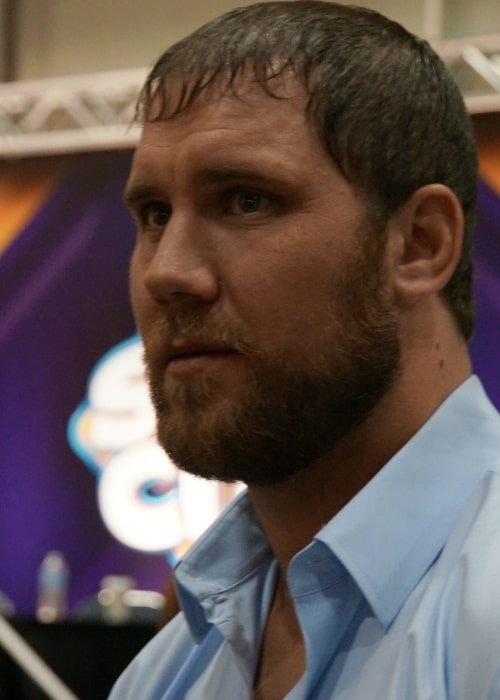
(386,537)
(389,534)
(232,551)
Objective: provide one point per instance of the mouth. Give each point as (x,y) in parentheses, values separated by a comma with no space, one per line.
(190,358)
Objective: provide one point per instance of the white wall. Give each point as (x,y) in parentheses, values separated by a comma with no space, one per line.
(62,37)
(467,18)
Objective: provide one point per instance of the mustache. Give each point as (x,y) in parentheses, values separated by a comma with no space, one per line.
(196,326)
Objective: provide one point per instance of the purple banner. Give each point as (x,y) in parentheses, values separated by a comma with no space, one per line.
(485,344)
(64,303)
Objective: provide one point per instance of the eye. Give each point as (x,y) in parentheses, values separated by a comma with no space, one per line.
(154,215)
(249,202)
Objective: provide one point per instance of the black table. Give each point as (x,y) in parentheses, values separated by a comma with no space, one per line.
(88,657)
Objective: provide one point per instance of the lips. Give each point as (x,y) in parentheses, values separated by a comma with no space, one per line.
(182,349)
(190,357)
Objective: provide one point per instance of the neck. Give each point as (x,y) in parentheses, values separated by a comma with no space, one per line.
(292,512)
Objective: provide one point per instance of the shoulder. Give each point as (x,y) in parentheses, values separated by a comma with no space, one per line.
(469,571)
(445,641)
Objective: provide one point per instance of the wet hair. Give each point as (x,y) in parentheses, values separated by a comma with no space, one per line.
(392,118)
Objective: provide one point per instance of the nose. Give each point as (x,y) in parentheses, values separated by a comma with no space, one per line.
(183,263)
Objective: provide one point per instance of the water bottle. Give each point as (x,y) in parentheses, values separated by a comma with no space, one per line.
(111,597)
(53,579)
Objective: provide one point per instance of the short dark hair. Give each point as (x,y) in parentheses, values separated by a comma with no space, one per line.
(389,112)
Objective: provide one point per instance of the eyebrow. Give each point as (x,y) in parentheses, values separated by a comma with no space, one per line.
(136,193)
(224,174)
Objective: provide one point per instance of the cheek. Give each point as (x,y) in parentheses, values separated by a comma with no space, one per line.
(284,300)
(141,301)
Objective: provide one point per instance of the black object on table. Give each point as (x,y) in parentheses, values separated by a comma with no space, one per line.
(88,657)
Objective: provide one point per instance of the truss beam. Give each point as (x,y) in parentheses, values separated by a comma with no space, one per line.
(63,115)
(95,112)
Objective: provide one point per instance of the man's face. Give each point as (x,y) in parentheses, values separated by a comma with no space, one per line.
(258,287)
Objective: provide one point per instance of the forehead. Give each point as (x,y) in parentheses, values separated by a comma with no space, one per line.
(244,121)
(230,102)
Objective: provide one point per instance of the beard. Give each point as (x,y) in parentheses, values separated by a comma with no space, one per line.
(295,407)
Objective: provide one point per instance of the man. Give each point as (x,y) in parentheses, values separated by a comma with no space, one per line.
(304,192)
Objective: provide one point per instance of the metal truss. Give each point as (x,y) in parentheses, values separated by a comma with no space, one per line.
(95,112)
(474,62)
(69,114)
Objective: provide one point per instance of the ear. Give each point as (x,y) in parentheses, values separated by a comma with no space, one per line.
(427,236)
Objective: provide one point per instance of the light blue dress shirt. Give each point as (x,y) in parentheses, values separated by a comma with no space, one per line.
(398,596)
